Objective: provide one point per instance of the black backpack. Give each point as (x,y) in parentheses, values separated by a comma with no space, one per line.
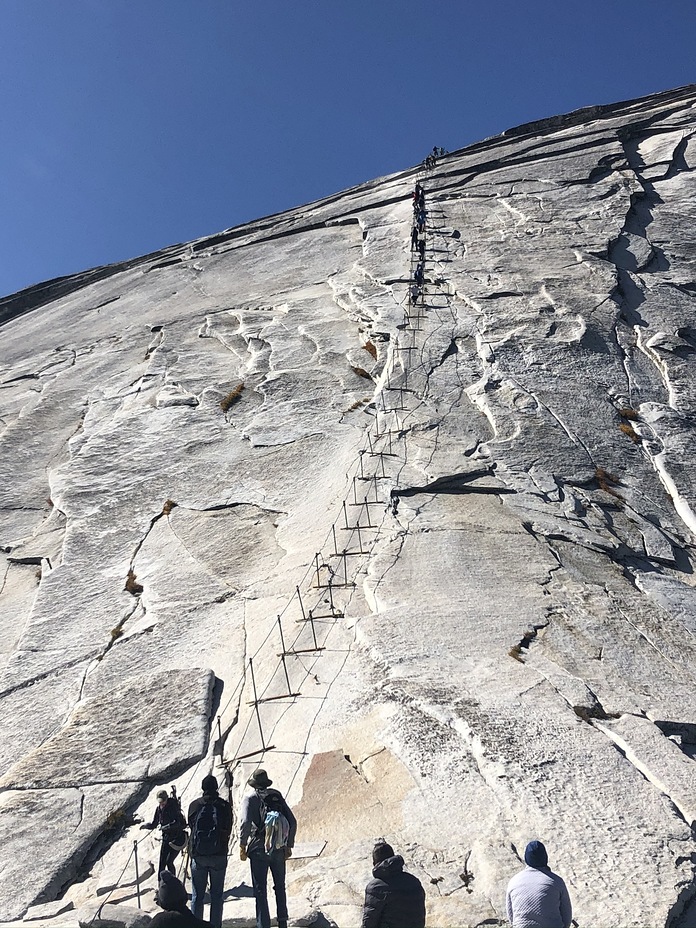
(207,837)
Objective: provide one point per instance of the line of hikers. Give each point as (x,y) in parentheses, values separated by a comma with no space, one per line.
(536,897)
(418,243)
(431,160)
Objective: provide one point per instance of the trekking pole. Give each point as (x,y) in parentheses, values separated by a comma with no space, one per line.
(183,866)
(137,874)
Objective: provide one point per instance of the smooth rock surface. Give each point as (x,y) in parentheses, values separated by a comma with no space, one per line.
(113,916)
(190,441)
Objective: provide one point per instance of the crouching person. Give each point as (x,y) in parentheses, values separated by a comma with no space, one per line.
(393,899)
(537,897)
(173,898)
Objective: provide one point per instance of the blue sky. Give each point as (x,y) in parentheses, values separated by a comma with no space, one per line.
(129,125)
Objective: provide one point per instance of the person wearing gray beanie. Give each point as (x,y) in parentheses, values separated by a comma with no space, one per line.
(536,897)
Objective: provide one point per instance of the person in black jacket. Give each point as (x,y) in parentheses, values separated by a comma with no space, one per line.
(172,823)
(172,897)
(265,849)
(393,899)
(210,818)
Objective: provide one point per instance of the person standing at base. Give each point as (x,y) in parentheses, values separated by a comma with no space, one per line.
(536,897)
(393,899)
(210,820)
(266,837)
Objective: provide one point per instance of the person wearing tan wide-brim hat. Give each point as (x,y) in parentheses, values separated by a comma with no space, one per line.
(259,780)
(266,837)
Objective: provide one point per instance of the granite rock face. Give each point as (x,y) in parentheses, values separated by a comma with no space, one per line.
(456,539)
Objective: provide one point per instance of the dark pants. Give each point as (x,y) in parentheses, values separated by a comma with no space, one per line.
(167,856)
(260,865)
(204,869)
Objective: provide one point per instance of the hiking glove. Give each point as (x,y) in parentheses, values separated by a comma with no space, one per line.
(242,853)
(288,852)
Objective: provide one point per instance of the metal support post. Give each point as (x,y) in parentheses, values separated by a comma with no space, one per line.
(299,596)
(282,657)
(256,702)
(137,873)
(367,510)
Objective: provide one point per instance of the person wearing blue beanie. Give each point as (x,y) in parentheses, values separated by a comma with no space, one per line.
(537,897)
(535,855)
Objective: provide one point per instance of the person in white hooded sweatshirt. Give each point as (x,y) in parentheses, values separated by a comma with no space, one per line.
(537,897)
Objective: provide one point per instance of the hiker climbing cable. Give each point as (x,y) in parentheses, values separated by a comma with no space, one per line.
(172,824)
(393,899)
(537,897)
(210,820)
(414,237)
(266,838)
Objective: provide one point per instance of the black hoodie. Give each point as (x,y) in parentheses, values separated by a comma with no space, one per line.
(393,899)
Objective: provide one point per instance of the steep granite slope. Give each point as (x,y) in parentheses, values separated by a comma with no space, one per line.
(456,539)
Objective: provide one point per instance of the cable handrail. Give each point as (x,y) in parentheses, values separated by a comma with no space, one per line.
(366,547)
